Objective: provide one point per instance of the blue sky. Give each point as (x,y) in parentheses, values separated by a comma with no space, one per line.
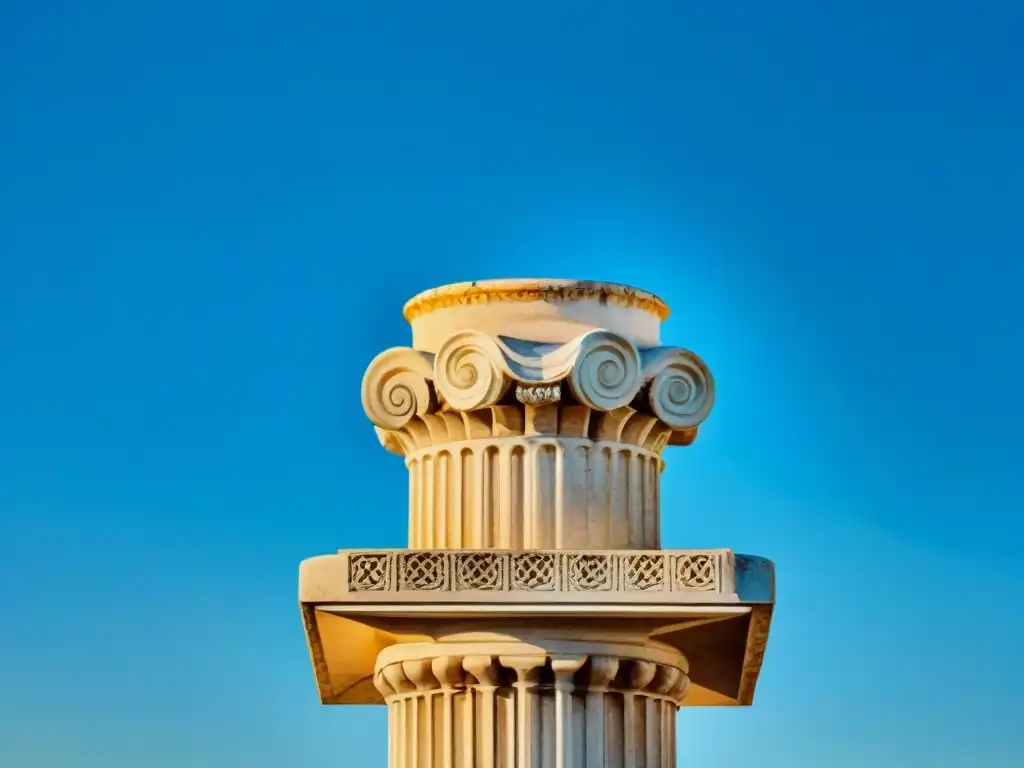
(212,213)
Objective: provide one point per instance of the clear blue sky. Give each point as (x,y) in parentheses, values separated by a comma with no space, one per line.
(210,215)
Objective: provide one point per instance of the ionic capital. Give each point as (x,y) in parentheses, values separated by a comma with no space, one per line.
(410,394)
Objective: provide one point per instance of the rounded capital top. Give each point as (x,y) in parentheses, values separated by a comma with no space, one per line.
(546,310)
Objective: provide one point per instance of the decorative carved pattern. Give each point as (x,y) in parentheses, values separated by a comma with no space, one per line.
(645,573)
(423,571)
(538,395)
(540,571)
(590,573)
(606,372)
(681,391)
(396,387)
(470,371)
(473,369)
(695,572)
(369,573)
(479,571)
(535,571)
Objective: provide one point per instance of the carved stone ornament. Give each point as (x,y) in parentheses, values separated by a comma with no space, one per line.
(680,389)
(538,395)
(473,371)
(540,571)
(396,387)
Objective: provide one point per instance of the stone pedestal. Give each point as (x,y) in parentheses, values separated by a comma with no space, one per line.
(534,621)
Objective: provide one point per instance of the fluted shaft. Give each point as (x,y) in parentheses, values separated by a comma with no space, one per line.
(534,493)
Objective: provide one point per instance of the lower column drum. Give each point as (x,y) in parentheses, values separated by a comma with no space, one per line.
(515,707)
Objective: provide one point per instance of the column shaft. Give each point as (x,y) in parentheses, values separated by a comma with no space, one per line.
(534,493)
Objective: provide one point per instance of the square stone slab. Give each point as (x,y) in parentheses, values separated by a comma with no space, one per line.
(713,606)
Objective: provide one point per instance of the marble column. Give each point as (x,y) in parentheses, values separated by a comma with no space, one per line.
(535,621)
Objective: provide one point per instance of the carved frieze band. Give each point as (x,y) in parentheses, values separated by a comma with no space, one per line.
(602,371)
(483,571)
